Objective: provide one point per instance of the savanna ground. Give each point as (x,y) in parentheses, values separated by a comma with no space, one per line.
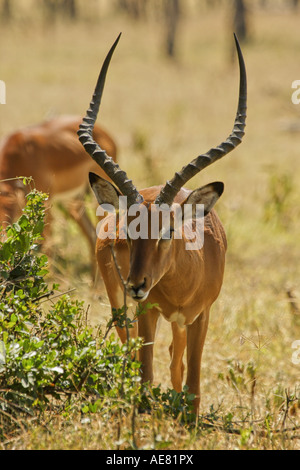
(163,113)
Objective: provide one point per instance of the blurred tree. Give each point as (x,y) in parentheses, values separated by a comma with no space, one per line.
(49,7)
(134,8)
(295,4)
(172,15)
(54,8)
(240,20)
(6,11)
(213,3)
(70,8)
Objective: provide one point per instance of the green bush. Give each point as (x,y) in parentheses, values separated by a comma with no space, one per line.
(50,358)
(48,353)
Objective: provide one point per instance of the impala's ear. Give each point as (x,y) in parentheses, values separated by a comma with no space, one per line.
(105,192)
(206,195)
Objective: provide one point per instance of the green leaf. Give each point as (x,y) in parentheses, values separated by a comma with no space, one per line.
(5,251)
(38,228)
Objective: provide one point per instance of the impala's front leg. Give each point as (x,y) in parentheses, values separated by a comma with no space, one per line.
(196,333)
(114,288)
(146,329)
(176,351)
(76,209)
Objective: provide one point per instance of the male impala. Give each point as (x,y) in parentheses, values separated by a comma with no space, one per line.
(51,154)
(184,283)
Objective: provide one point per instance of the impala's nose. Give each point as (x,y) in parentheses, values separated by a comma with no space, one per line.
(138,290)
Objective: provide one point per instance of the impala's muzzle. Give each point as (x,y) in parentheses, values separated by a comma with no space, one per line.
(138,291)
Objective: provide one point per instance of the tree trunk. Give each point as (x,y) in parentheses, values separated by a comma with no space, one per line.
(6,12)
(70,9)
(240,20)
(172,14)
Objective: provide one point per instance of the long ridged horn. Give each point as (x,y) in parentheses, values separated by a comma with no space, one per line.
(111,168)
(172,187)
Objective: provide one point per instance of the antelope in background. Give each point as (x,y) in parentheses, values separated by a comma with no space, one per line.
(183,283)
(51,154)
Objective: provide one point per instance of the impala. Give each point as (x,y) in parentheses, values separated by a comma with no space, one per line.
(182,283)
(51,154)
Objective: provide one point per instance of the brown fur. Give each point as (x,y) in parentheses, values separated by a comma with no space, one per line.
(180,282)
(52,155)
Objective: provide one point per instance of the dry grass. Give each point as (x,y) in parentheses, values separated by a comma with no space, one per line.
(163,114)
